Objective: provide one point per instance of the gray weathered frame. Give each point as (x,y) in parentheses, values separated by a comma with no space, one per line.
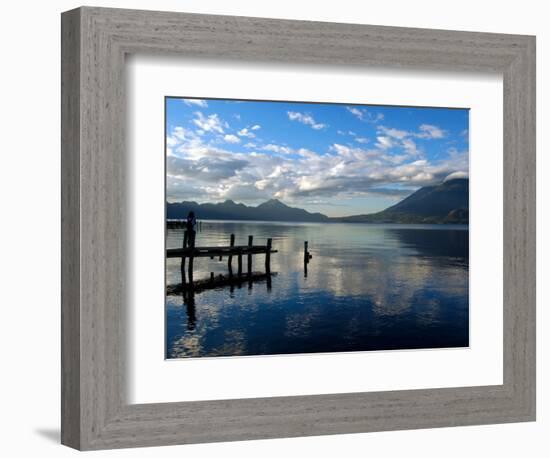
(95,414)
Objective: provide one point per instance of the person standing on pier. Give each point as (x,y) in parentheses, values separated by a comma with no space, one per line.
(190,224)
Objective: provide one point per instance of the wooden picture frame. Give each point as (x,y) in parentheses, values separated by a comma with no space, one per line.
(95,413)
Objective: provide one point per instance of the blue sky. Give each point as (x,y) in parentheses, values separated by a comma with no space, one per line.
(337,159)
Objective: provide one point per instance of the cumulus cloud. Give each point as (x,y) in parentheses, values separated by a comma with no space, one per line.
(430,131)
(245,133)
(230,138)
(365,115)
(394,133)
(384,142)
(306,119)
(277,148)
(393,165)
(196,102)
(211,123)
(454,175)
(410,146)
(210,169)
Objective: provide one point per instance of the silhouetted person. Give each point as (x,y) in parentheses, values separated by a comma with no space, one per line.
(190,224)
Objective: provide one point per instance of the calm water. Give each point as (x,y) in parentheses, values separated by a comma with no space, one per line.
(368,287)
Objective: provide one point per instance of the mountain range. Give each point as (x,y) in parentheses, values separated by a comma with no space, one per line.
(272,210)
(439,204)
(443,203)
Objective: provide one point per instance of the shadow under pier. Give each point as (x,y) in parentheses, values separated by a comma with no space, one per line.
(188,290)
(220,281)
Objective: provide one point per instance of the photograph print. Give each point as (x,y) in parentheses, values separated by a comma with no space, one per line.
(298,227)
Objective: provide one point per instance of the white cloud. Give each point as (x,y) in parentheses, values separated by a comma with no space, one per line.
(394,133)
(211,123)
(197,102)
(410,146)
(230,138)
(384,142)
(455,175)
(306,119)
(277,148)
(356,112)
(365,115)
(430,131)
(255,127)
(361,140)
(200,169)
(245,133)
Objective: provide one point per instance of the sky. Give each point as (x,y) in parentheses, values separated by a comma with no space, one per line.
(337,159)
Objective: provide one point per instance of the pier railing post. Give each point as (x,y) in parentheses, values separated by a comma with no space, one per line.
(250,238)
(230,258)
(268,257)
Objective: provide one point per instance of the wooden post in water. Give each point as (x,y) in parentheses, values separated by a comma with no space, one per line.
(230,258)
(240,264)
(183,270)
(250,238)
(268,257)
(183,258)
(307,254)
(307,257)
(190,269)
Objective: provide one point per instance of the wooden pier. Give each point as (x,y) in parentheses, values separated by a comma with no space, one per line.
(191,252)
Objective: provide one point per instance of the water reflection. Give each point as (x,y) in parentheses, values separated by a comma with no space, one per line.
(366,287)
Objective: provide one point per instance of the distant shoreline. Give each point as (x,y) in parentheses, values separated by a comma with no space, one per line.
(174,221)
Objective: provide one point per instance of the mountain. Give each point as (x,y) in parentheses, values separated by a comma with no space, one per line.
(272,210)
(443,203)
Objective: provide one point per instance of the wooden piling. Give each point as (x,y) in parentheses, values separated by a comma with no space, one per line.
(230,258)
(239,264)
(190,269)
(249,264)
(307,254)
(307,257)
(183,270)
(268,257)
(183,257)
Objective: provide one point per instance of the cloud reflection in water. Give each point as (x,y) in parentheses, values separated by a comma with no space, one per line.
(369,287)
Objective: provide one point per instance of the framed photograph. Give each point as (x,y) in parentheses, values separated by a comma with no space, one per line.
(357,214)
(281,228)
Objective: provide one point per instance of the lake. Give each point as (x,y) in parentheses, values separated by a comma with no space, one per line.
(368,287)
